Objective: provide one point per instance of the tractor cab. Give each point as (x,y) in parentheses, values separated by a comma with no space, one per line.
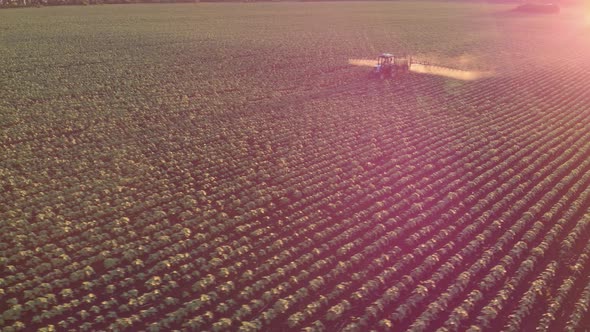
(389,65)
(385,59)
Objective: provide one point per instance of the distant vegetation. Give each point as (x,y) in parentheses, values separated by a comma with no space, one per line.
(222,168)
(38,3)
(34,3)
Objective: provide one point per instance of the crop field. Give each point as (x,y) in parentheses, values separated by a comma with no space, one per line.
(222,167)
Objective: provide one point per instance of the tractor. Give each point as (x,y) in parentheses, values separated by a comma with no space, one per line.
(389,65)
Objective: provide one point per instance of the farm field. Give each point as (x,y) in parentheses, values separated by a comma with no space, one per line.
(222,167)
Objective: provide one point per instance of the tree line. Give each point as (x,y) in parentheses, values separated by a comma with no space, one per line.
(40,3)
